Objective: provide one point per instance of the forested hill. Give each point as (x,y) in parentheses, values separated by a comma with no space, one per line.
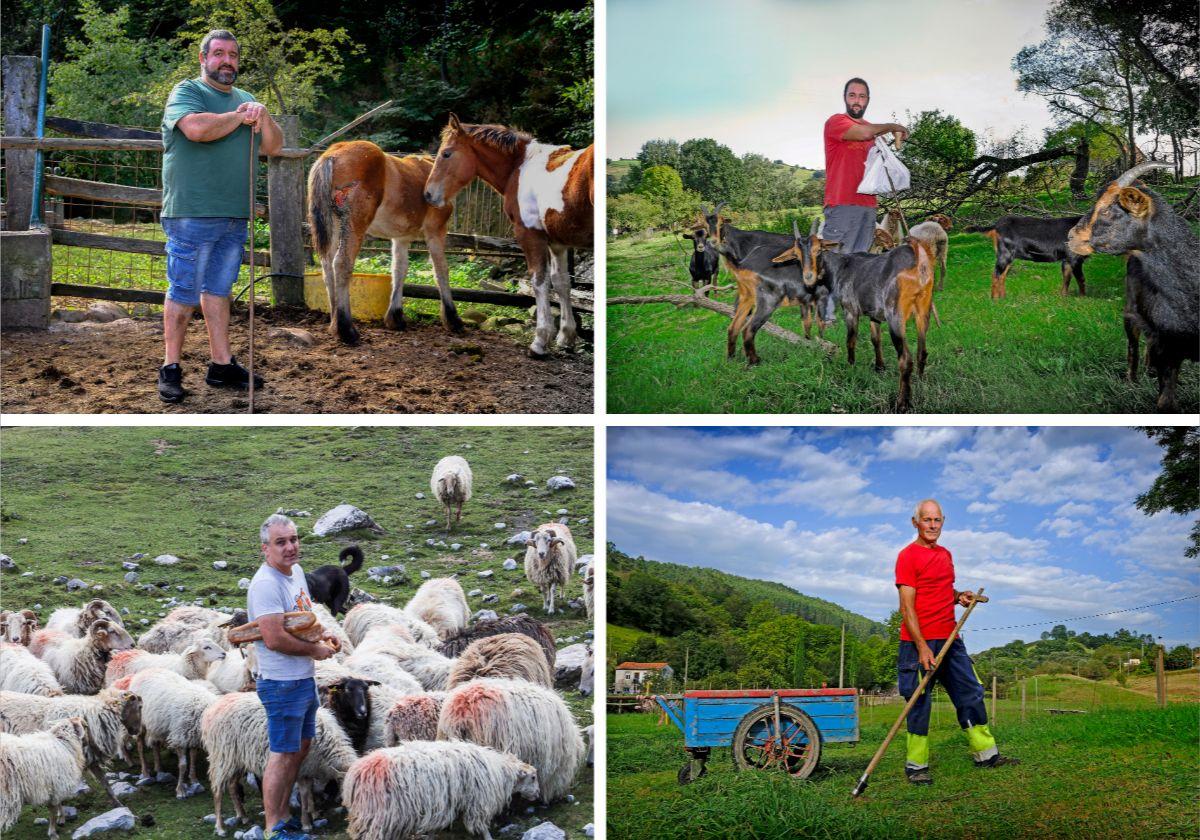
(669,599)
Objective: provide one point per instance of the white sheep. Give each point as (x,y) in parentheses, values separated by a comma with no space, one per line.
(21,671)
(184,626)
(529,721)
(192,664)
(171,710)
(589,588)
(18,627)
(549,558)
(451,484)
(442,604)
(424,786)
(430,668)
(330,623)
(79,663)
(363,617)
(509,655)
(234,733)
(235,672)
(413,718)
(74,621)
(41,768)
(108,717)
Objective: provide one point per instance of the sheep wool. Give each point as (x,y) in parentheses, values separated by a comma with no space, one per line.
(442,604)
(518,717)
(21,671)
(451,484)
(509,655)
(79,664)
(171,709)
(363,617)
(192,664)
(413,718)
(40,768)
(424,786)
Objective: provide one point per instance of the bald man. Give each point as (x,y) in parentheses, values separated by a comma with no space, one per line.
(925,580)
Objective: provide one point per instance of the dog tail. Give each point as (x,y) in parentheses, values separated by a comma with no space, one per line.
(979,228)
(356,559)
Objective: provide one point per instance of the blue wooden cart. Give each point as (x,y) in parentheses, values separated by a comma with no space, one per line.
(766,729)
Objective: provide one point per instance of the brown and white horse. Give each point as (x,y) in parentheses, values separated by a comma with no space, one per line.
(357,190)
(548,196)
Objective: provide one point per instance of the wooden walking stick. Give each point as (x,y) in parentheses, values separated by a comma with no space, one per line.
(250,358)
(862,782)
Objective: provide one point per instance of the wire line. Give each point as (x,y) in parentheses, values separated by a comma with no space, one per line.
(1081,617)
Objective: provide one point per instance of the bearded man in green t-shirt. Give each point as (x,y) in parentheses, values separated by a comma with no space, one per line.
(207,130)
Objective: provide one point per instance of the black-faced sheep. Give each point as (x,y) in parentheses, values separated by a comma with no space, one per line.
(509,655)
(519,623)
(529,721)
(549,558)
(41,768)
(424,786)
(442,604)
(79,664)
(451,485)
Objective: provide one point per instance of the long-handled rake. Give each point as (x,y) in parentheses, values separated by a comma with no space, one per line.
(916,695)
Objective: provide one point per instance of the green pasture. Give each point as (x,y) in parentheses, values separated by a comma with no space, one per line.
(1035,351)
(79,501)
(1116,771)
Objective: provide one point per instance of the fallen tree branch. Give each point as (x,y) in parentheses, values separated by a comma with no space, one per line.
(726,310)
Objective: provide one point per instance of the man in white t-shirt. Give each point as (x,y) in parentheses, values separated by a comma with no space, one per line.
(285,681)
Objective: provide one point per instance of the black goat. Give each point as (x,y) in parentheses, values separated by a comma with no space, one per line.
(1162,274)
(350,701)
(1036,240)
(519,623)
(886,288)
(330,585)
(762,285)
(705,262)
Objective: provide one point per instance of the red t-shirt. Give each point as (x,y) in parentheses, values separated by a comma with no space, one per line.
(930,571)
(845,162)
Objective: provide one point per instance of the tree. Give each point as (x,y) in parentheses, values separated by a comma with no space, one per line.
(1176,489)
(938,146)
(659,153)
(662,186)
(631,213)
(1178,657)
(713,171)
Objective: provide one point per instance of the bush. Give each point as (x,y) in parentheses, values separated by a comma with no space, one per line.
(631,213)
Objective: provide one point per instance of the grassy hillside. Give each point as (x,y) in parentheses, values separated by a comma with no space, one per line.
(1110,773)
(78,502)
(1034,351)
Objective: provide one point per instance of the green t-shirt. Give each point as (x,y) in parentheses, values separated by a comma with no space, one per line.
(205,179)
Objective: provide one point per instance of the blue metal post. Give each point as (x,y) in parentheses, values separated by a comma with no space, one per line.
(35,215)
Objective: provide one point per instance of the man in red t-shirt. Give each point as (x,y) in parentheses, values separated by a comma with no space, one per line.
(925,579)
(849,214)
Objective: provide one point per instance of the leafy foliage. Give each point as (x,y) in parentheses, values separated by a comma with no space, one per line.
(1176,488)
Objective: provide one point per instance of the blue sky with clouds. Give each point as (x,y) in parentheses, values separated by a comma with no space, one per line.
(1042,517)
(764,75)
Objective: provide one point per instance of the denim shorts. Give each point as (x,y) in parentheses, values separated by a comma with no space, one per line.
(291,712)
(203,255)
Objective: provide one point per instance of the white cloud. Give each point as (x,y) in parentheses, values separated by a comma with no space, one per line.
(1076,509)
(983,507)
(910,443)
(1061,527)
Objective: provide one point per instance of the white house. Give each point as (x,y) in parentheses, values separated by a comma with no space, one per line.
(631,677)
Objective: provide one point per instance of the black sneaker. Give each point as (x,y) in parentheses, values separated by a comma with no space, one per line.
(998,760)
(231,375)
(170,383)
(919,776)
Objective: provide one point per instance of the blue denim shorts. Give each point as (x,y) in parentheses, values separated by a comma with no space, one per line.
(291,712)
(203,255)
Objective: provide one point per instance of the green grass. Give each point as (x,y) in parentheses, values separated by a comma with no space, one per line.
(85,499)
(1110,773)
(1032,352)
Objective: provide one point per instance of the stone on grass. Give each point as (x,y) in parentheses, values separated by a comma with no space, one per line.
(131,577)
(244,583)
(118,819)
(74,584)
(344,517)
(589,830)
(491,599)
(516,608)
(220,565)
(129,566)
(474,593)
(544,831)
(521,537)
(7,563)
(510,564)
(120,789)
(515,478)
(425,575)
(486,573)
(500,526)
(560,482)
(166,559)
(561,511)
(485,615)
(455,546)
(419,496)
(568,665)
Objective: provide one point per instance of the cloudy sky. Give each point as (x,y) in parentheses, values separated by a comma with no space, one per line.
(1043,518)
(764,75)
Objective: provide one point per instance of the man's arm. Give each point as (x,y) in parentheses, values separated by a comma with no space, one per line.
(255,115)
(908,611)
(280,640)
(869,131)
(205,128)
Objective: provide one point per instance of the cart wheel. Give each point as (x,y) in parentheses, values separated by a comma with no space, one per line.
(687,774)
(757,746)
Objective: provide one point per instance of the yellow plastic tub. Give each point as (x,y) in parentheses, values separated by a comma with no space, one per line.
(369,294)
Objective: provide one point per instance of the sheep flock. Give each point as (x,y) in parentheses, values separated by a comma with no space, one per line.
(433,713)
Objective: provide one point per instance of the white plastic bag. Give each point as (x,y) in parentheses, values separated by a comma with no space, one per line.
(882,165)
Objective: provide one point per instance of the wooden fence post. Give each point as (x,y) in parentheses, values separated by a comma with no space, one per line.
(20,81)
(993,720)
(285,198)
(1160,678)
(1022,701)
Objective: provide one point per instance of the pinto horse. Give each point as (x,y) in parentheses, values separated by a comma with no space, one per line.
(357,190)
(548,196)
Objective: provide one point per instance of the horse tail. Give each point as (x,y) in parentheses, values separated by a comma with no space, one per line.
(320,202)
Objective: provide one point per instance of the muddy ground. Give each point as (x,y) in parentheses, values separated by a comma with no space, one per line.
(111,367)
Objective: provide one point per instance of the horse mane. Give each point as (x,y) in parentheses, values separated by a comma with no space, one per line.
(499,137)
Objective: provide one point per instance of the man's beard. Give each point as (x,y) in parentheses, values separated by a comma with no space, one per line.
(224,74)
(850,109)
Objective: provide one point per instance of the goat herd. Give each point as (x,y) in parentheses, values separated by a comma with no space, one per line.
(426,718)
(893,283)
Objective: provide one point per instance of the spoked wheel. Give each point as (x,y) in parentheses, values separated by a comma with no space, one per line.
(795,750)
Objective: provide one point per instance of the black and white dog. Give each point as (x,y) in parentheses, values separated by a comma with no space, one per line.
(330,585)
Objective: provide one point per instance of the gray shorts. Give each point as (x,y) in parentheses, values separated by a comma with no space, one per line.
(852,225)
